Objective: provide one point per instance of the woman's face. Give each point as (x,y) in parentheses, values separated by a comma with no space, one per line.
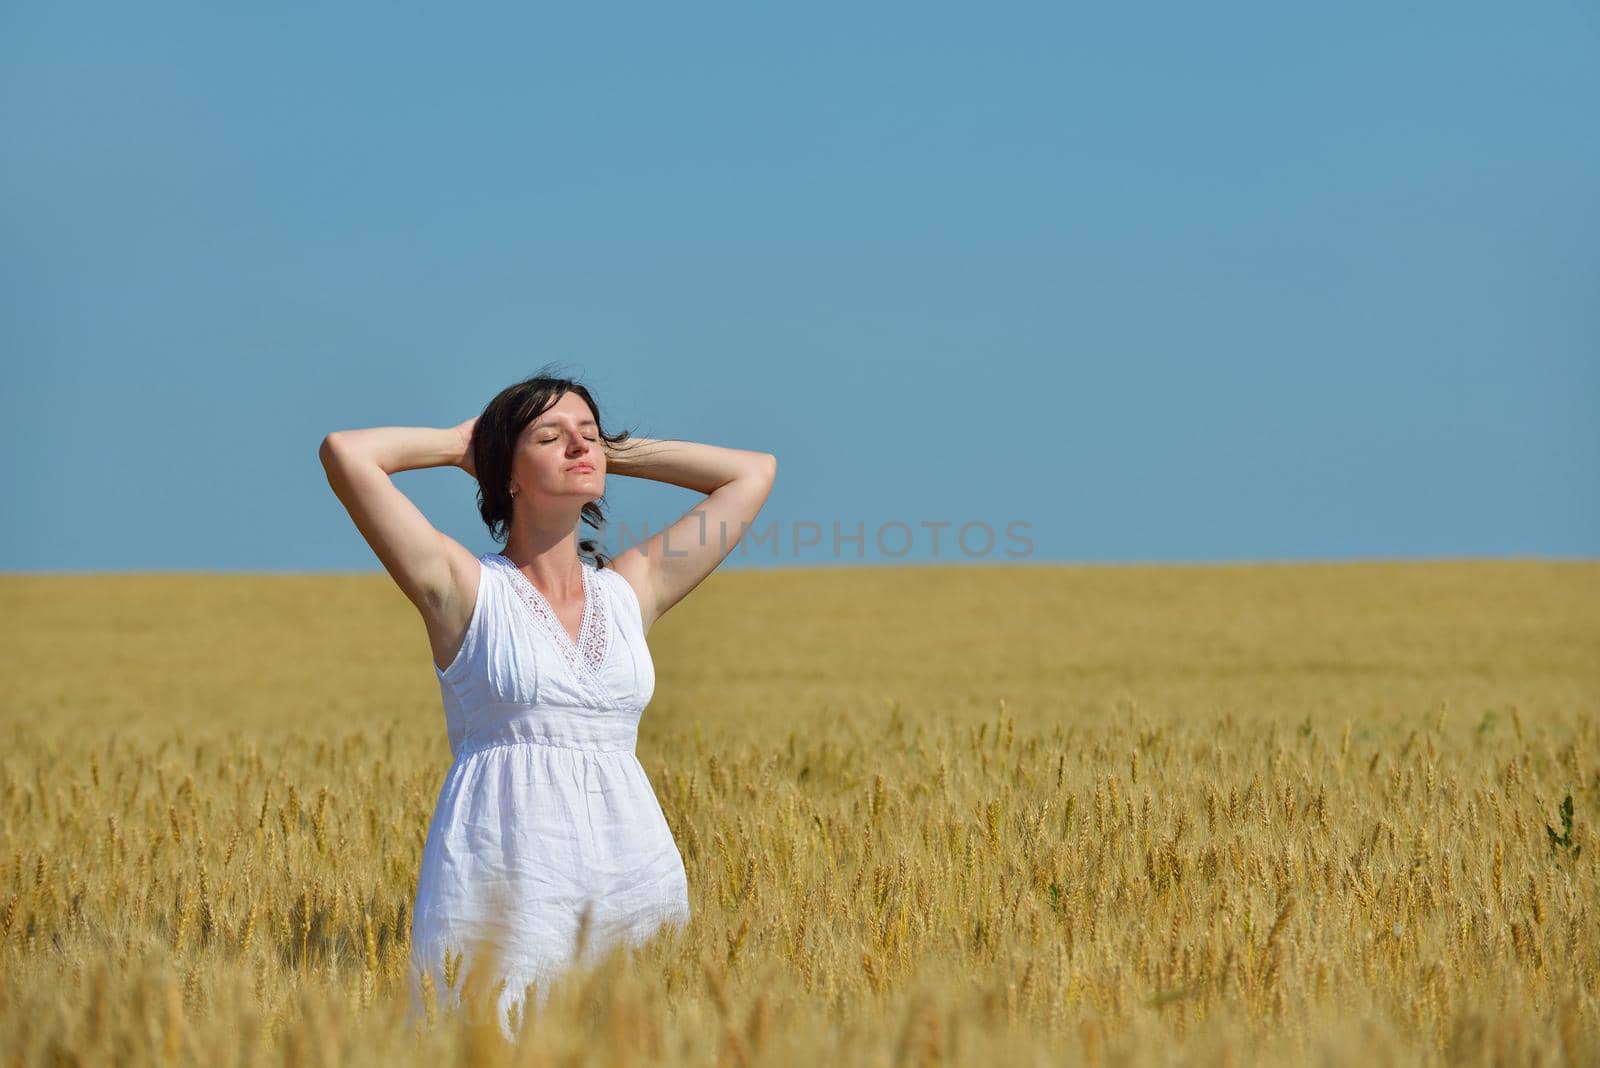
(554,449)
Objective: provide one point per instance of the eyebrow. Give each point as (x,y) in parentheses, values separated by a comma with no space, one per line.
(557,426)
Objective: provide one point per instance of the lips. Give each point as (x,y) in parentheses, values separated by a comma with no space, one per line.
(580,468)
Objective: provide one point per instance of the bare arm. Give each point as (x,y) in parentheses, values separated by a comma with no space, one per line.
(736,482)
(434,570)
(407,448)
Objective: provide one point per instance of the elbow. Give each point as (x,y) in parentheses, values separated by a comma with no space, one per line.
(328,449)
(769,466)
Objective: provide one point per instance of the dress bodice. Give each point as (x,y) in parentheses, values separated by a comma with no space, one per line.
(519,676)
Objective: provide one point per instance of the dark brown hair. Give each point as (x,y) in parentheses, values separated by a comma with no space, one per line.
(494,442)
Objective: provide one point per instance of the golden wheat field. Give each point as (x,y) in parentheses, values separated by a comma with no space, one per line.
(1022,814)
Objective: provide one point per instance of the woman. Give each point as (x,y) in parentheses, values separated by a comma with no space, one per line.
(547,845)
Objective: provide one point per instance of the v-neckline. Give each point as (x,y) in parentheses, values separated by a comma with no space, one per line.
(588,623)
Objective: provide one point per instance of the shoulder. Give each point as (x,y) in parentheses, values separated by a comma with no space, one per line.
(624,586)
(452,625)
(491,571)
(472,585)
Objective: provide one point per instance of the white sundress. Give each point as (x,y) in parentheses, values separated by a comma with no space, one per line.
(546,810)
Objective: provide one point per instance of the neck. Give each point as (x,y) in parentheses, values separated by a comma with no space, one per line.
(551,562)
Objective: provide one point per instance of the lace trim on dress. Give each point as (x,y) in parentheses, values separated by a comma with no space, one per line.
(594,636)
(584,656)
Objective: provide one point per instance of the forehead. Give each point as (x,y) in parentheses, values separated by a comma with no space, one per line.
(571,408)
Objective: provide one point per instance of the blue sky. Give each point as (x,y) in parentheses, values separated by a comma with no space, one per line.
(1159,282)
